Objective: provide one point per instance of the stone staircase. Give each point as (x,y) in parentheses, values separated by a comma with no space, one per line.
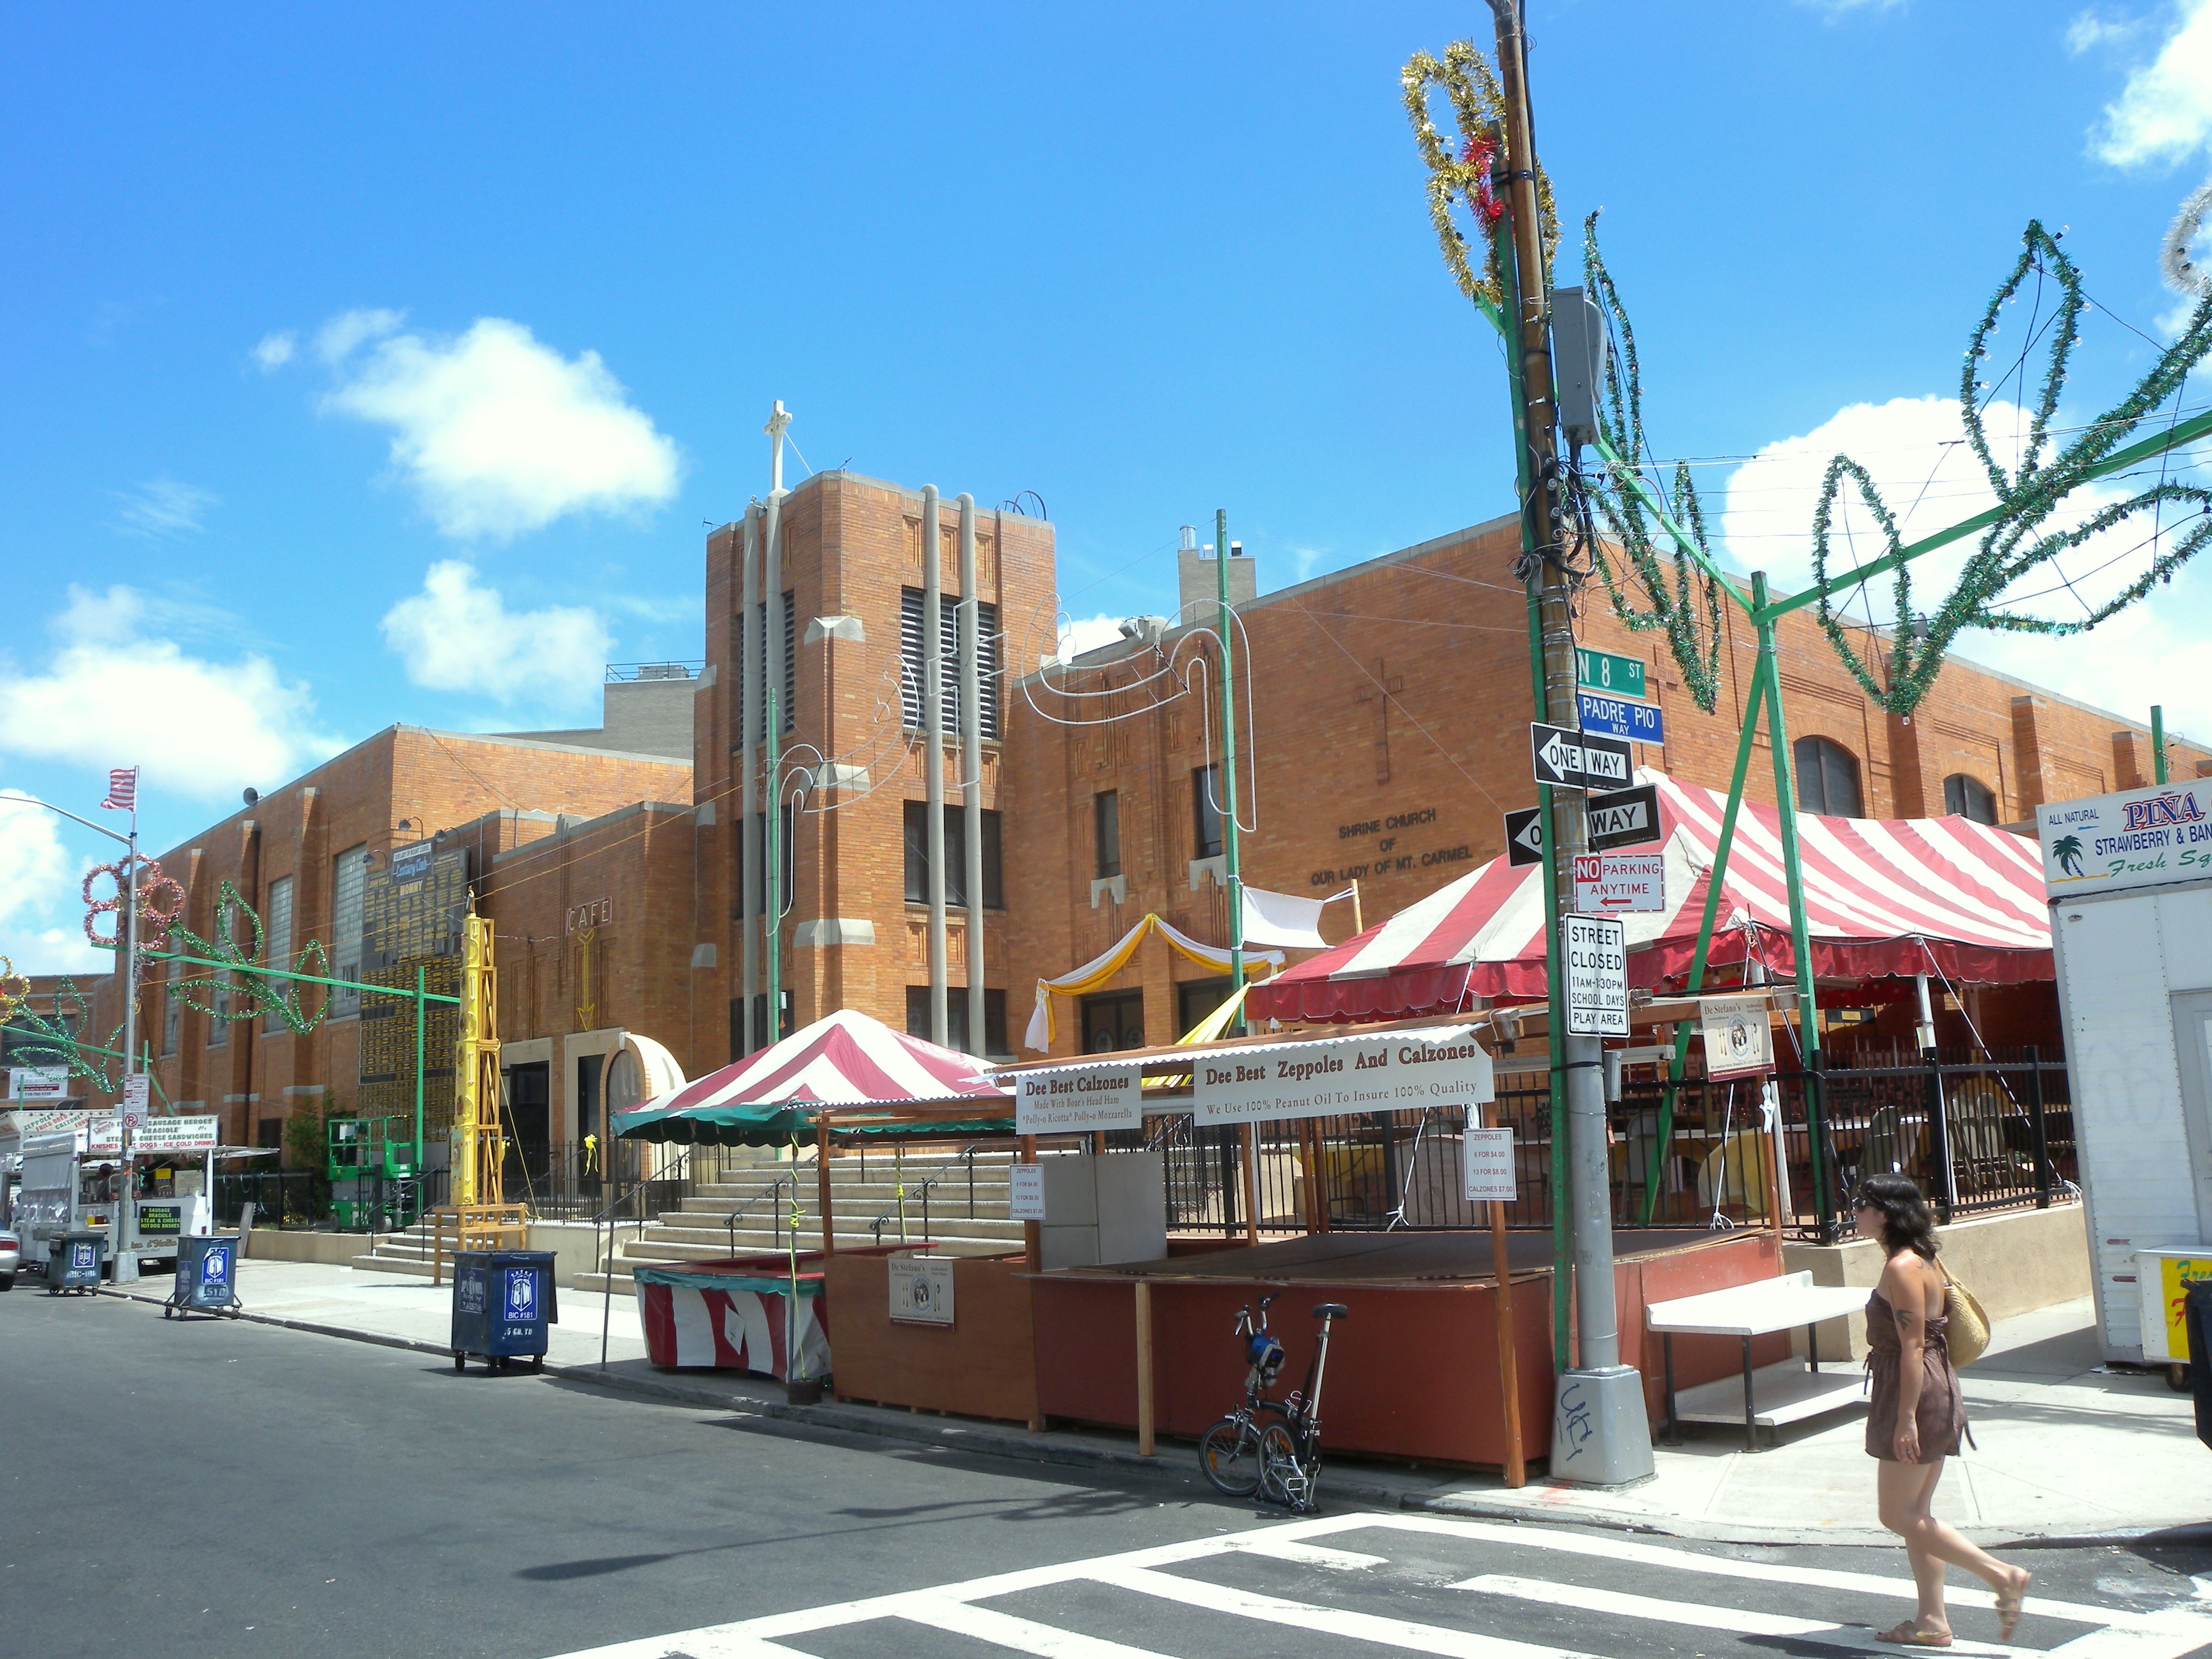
(742,1203)
(746,1210)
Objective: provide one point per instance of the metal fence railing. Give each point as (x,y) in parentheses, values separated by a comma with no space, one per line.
(1980,1131)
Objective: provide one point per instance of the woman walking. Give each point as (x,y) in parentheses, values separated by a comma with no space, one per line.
(1918,1412)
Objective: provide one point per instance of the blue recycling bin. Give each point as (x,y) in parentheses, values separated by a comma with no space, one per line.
(207,1277)
(503,1302)
(73,1263)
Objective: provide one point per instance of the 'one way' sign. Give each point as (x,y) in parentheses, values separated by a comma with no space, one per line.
(1576,760)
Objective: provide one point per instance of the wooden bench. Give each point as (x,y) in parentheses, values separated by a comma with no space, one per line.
(1773,1394)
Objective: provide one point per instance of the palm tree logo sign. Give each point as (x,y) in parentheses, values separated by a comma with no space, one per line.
(2067,849)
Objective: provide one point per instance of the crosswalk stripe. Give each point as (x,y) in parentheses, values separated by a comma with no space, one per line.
(1740,1620)
(1308,1555)
(1023,1635)
(1332,1621)
(1622,1549)
(2167,1634)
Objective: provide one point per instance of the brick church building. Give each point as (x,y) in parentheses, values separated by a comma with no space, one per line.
(1382,738)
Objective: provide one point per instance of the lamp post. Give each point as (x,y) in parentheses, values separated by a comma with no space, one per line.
(126,1268)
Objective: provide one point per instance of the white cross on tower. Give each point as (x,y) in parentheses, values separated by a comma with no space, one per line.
(779,422)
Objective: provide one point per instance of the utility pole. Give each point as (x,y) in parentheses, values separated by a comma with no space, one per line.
(1599,1433)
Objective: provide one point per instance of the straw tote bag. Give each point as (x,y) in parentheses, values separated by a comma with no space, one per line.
(1968,1337)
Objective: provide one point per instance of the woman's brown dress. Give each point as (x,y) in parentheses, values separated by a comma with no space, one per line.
(1941,1413)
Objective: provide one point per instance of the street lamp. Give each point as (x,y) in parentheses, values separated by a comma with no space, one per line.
(125,1269)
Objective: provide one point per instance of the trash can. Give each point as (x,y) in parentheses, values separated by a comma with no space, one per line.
(207,1277)
(503,1301)
(73,1263)
(2197,1306)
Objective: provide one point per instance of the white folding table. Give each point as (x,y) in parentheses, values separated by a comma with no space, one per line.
(1775,1394)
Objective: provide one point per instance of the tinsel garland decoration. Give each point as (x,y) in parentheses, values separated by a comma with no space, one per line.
(151,885)
(2173,258)
(1462,171)
(250,995)
(2027,495)
(1695,642)
(49,1042)
(14,988)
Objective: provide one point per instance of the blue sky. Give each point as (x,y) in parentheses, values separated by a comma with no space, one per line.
(372,363)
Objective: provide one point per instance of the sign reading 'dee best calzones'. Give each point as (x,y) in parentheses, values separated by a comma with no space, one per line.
(1445,1067)
(1078,1100)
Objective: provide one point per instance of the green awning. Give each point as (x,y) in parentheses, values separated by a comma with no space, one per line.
(778,1123)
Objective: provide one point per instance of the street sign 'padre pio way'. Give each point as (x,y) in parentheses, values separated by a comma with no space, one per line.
(1443,1066)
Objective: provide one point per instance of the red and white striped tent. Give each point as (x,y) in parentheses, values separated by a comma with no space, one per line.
(1883,896)
(846,1058)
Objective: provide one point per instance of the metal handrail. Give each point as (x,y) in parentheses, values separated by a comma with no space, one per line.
(775,1187)
(966,1155)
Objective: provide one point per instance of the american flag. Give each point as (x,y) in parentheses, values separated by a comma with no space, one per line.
(122,790)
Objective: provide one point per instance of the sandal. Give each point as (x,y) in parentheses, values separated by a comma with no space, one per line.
(2008,1609)
(1910,1635)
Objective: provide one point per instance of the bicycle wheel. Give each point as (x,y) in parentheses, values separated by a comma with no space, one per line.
(1229,1452)
(1282,1477)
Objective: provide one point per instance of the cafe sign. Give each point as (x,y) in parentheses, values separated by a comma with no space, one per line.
(1406,1071)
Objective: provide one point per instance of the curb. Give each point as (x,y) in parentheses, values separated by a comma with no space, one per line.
(1018,1446)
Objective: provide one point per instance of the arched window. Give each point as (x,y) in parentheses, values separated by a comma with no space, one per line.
(1827,778)
(1969,798)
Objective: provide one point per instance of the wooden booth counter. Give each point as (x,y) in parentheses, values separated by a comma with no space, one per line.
(982,1364)
(1412,1371)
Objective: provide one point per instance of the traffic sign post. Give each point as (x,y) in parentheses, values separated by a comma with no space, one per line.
(1576,760)
(1627,817)
(1618,717)
(1601,671)
(1596,956)
(1524,838)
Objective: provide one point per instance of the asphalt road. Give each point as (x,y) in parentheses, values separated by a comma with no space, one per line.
(233,1489)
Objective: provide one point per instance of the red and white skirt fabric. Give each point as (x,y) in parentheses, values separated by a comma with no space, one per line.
(696,1320)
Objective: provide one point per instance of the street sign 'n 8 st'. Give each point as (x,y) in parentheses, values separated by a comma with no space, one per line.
(1577,760)
(1602,671)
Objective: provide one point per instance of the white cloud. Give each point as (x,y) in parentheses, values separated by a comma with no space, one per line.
(2091,30)
(38,891)
(112,694)
(1080,634)
(165,507)
(498,434)
(2163,112)
(348,330)
(458,636)
(275,350)
(1929,478)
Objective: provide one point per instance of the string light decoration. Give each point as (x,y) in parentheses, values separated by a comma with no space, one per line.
(1461,167)
(14,988)
(1691,614)
(240,990)
(50,1043)
(154,922)
(2016,540)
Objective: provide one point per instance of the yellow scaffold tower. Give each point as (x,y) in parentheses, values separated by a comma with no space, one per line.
(478,1218)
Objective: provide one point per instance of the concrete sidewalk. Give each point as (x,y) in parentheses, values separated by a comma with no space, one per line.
(2061,1450)
(2065,1450)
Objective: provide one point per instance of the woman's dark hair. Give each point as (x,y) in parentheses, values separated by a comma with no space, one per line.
(1905,1223)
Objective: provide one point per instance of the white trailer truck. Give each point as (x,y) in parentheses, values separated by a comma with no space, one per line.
(2129,877)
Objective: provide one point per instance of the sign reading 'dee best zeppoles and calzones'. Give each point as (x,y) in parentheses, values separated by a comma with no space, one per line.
(1078,1100)
(1445,1067)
